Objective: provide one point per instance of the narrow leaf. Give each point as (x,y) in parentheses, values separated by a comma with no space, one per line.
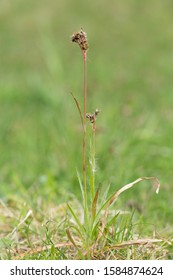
(76,218)
(105,194)
(70,237)
(114,197)
(94,204)
(112,221)
(78,231)
(80,184)
(130,185)
(135,242)
(78,107)
(73,242)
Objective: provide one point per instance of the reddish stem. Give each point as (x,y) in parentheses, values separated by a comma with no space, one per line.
(84,124)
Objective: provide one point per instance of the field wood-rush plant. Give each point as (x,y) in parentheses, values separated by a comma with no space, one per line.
(90,235)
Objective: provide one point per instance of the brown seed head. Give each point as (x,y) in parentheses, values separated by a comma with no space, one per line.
(92,117)
(81,39)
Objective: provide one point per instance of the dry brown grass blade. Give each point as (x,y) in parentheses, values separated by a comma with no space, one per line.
(121,190)
(73,242)
(29,213)
(41,249)
(130,185)
(135,242)
(94,204)
(71,238)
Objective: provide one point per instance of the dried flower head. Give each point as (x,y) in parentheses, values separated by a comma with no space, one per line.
(81,39)
(92,117)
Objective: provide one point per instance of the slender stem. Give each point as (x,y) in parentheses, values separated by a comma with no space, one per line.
(93,163)
(84,140)
(84,122)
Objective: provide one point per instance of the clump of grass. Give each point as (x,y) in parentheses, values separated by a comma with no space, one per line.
(91,236)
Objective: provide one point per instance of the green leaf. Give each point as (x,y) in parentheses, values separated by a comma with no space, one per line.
(78,231)
(80,184)
(76,219)
(112,220)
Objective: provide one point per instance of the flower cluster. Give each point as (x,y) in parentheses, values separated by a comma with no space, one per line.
(81,39)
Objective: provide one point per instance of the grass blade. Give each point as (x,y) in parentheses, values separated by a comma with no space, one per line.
(78,231)
(71,238)
(73,242)
(80,184)
(79,109)
(112,220)
(144,241)
(114,197)
(130,185)
(76,219)
(94,205)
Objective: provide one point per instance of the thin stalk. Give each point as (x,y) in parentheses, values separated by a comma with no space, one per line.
(93,163)
(81,39)
(84,123)
(84,141)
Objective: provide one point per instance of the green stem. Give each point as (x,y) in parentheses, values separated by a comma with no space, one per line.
(92,163)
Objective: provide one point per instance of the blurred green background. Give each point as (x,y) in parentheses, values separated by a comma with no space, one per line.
(130,65)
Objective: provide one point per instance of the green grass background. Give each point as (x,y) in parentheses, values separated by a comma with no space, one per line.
(130,65)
